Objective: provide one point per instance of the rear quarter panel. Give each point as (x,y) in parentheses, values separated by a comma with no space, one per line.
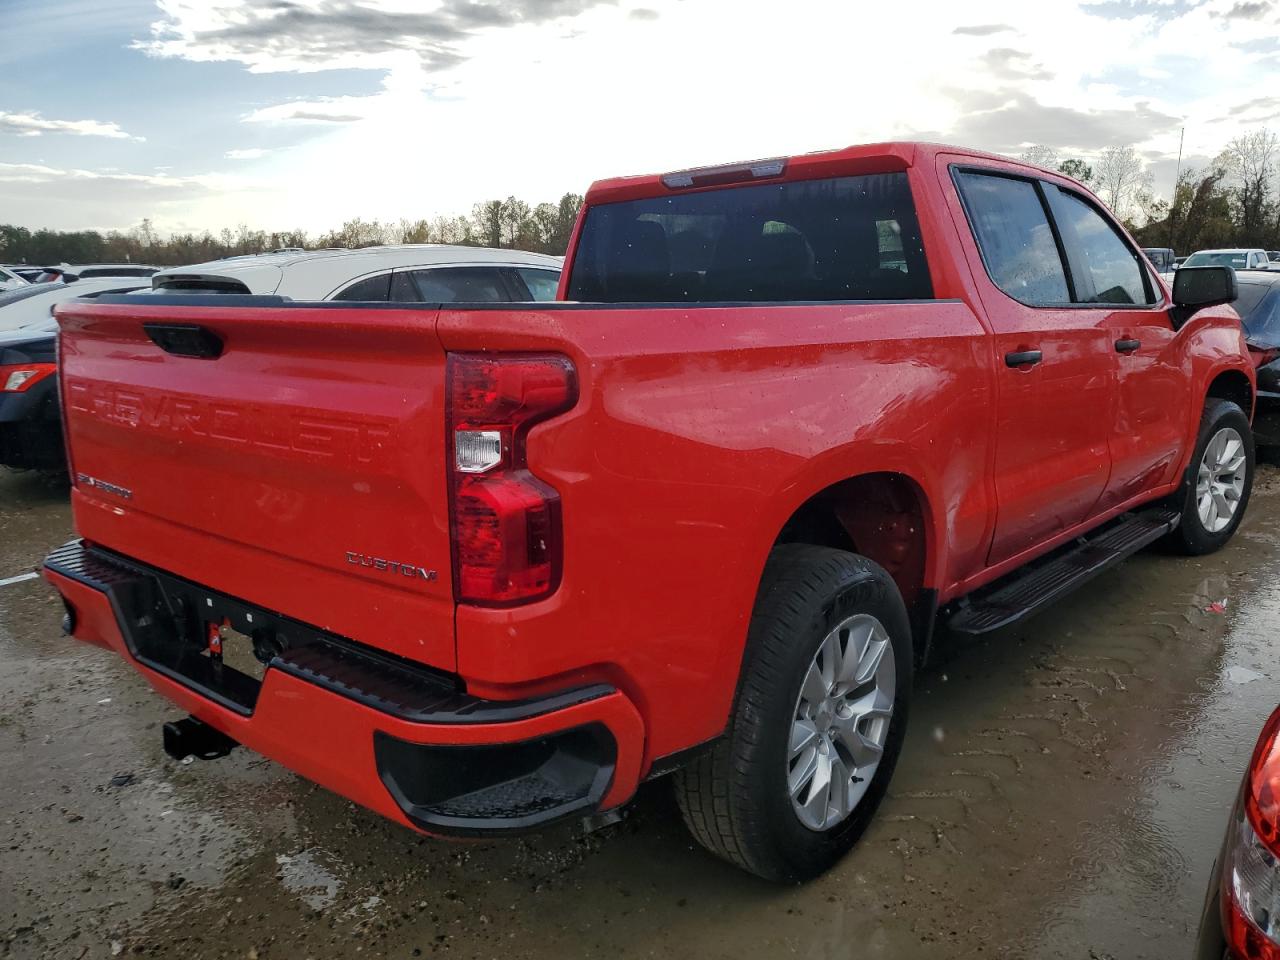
(698,432)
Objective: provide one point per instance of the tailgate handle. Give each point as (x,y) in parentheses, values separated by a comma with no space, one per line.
(185,339)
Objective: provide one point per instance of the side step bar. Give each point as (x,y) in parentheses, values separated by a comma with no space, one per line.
(1027,591)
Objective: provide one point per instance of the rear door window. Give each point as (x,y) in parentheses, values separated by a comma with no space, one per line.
(1014,237)
(462,285)
(845,238)
(1105,268)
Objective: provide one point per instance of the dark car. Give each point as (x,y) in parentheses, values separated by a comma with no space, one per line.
(30,421)
(30,424)
(1241,918)
(1258,304)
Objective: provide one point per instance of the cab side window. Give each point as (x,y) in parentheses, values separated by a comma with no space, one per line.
(1104,267)
(461,285)
(1017,244)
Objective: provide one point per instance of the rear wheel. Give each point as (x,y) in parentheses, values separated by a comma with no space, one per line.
(819,720)
(1219,480)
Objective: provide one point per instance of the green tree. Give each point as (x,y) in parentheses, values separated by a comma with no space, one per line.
(1077,170)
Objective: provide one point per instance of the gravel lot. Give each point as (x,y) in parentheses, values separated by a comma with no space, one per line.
(1062,794)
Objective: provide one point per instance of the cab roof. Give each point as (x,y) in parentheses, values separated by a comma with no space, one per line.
(847,161)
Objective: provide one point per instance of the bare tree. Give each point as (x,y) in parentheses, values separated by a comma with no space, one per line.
(1040,155)
(1250,162)
(451,230)
(414,231)
(1120,176)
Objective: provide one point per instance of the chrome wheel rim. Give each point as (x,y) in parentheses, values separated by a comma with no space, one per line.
(1220,482)
(841,722)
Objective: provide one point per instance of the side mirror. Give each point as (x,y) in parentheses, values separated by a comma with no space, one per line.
(1195,288)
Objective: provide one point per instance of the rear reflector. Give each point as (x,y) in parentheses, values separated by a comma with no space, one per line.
(729,173)
(506,522)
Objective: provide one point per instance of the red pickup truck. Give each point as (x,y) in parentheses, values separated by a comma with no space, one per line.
(484,567)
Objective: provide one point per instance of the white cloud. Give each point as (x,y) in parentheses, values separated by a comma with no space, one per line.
(271,36)
(482,98)
(326,110)
(32,124)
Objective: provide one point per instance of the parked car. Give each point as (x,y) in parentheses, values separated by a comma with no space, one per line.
(408,273)
(9,280)
(30,419)
(40,274)
(1237,259)
(30,429)
(1162,258)
(1241,918)
(88,270)
(22,271)
(34,303)
(702,518)
(1258,304)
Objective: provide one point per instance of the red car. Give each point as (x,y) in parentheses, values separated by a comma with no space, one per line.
(484,567)
(1242,911)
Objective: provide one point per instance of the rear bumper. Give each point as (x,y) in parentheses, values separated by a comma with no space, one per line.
(397,738)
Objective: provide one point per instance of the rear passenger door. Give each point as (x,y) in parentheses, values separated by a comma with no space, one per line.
(457,285)
(1110,280)
(1054,368)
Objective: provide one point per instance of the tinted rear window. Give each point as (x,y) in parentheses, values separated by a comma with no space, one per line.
(847,238)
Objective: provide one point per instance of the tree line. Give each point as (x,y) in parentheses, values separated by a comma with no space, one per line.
(1231,201)
(513,223)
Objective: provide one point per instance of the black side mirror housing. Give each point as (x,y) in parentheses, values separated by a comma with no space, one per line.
(1195,288)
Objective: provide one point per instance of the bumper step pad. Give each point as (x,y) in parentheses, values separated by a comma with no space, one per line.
(1036,586)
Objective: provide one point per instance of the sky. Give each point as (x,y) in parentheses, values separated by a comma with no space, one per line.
(300,114)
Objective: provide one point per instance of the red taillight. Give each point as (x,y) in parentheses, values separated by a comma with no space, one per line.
(506,522)
(1251,859)
(17,377)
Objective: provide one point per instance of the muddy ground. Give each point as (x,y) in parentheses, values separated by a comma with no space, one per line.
(1062,794)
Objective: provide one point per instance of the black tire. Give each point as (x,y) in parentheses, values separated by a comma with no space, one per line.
(734,798)
(1192,537)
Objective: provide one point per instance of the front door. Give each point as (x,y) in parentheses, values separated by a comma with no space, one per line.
(1148,431)
(1054,369)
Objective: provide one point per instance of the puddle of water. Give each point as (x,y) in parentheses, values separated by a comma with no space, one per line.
(312,875)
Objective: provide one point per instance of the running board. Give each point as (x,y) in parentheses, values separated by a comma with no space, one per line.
(1031,589)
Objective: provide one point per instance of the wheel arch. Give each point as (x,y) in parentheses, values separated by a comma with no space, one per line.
(884,515)
(1235,385)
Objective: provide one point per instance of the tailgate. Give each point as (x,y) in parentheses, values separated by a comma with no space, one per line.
(301,469)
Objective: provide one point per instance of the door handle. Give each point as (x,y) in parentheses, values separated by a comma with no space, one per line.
(1127,345)
(1022,358)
